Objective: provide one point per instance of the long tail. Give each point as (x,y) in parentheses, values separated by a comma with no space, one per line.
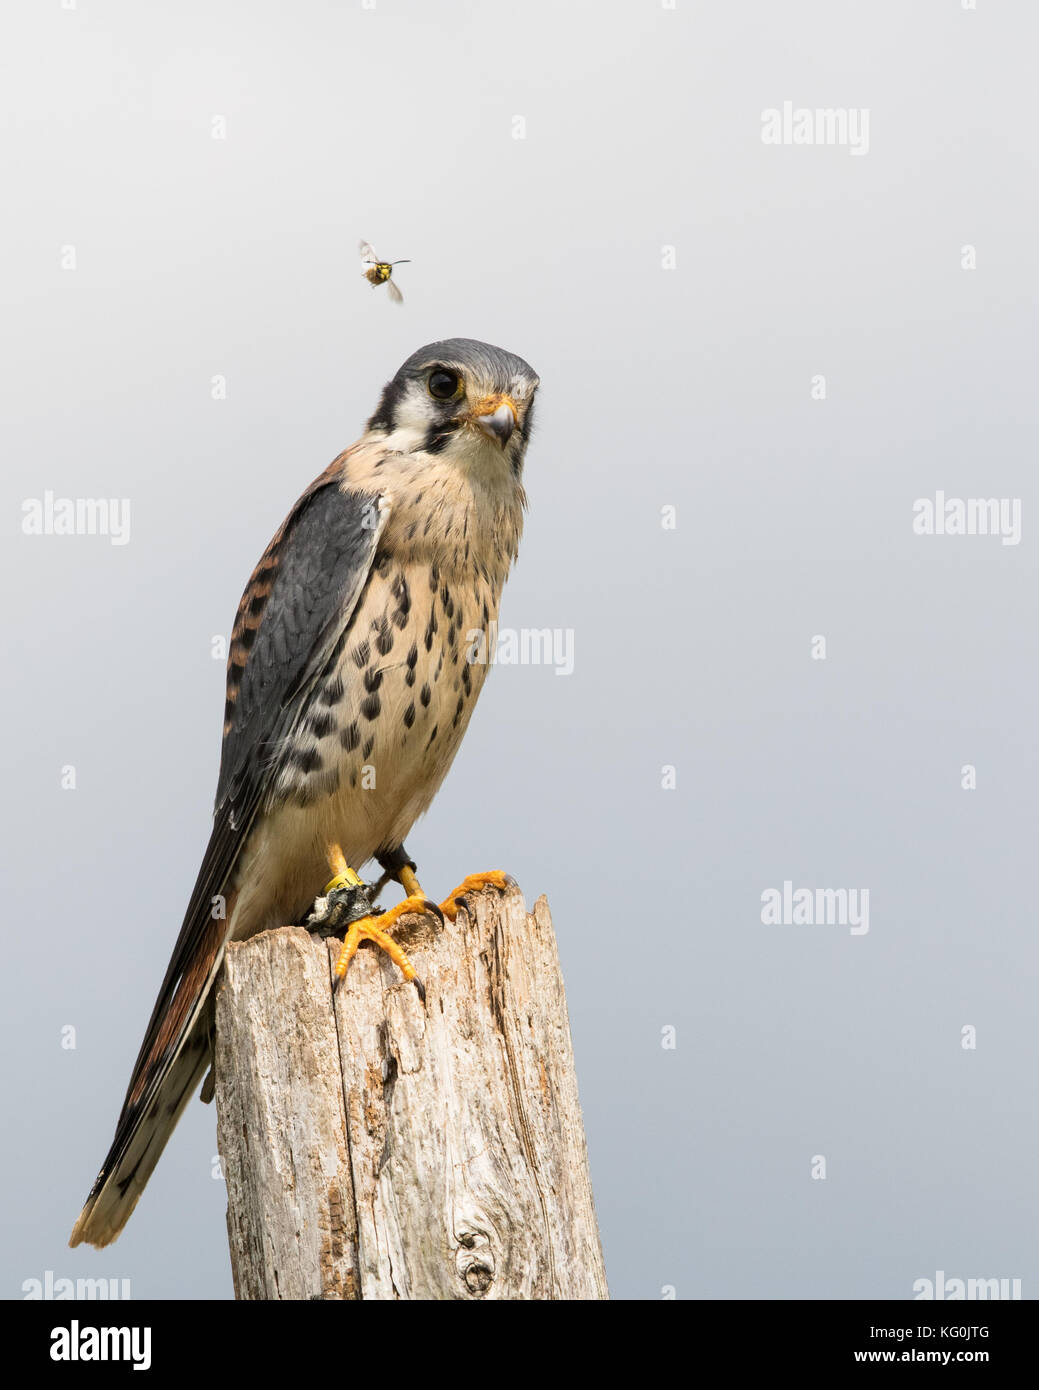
(139,1145)
(174,1056)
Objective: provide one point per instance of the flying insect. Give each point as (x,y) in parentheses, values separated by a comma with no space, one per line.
(378,272)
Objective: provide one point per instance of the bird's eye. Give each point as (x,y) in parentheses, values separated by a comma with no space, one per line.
(444,384)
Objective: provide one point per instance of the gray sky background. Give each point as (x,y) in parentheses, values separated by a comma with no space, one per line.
(692,387)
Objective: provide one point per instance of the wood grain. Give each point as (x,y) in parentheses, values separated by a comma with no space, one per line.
(381,1149)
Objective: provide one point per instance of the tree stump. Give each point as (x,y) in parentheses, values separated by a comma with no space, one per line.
(375,1148)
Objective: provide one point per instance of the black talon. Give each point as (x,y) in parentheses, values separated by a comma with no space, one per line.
(434,909)
(420,987)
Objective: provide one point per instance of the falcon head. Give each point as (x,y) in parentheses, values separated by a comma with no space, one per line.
(465,401)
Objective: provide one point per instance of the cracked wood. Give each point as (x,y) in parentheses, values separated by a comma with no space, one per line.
(380,1150)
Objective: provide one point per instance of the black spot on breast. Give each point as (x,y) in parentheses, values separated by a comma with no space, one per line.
(447,601)
(431,628)
(333,692)
(425,695)
(384,639)
(436,730)
(409,716)
(361,653)
(458,712)
(307,759)
(372,680)
(467,679)
(366,751)
(350,737)
(400,590)
(371,707)
(321,725)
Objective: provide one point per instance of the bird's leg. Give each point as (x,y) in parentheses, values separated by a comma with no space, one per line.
(472,883)
(350,902)
(397,864)
(346,898)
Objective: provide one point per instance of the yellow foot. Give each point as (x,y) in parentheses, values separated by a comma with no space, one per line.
(348,900)
(472,883)
(377,929)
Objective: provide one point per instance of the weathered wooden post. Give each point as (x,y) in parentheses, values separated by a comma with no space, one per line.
(374,1148)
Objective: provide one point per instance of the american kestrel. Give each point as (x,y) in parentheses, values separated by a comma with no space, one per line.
(349,688)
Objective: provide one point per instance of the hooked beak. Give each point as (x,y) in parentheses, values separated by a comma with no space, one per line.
(496,416)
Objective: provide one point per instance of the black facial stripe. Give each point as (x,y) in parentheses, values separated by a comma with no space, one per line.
(385,417)
(528,422)
(438,434)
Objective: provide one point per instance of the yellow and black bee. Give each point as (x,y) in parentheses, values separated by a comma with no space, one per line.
(378,272)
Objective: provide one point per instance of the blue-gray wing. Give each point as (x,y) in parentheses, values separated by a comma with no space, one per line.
(296,607)
(297,604)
